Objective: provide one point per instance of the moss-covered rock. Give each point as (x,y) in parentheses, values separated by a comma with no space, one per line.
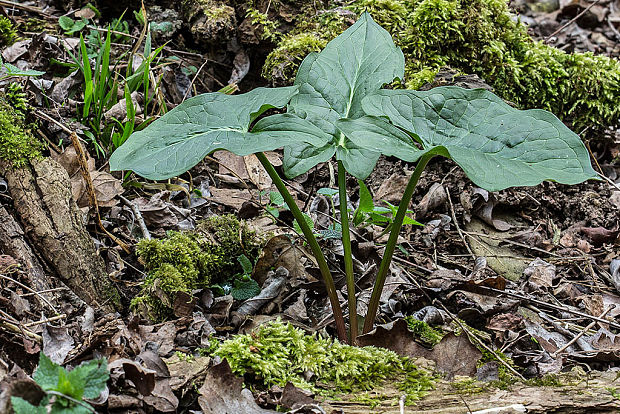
(209,20)
(184,261)
(277,353)
(17,144)
(480,37)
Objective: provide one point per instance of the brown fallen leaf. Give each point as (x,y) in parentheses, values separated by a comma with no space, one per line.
(454,355)
(105,185)
(223,393)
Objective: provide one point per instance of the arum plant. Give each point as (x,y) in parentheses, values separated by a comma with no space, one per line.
(337,108)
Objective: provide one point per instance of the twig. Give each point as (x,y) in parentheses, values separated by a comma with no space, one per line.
(580,334)
(479,341)
(136,211)
(46,320)
(189,88)
(15,328)
(30,9)
(34,292)
(78,402)
(558,327)
(44,291)
(458,228)
(610,181)
(571,21)
(552,306)
(91,189)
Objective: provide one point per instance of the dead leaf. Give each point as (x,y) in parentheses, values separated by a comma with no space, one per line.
(241,66)
(57,343)
(599,235)
(279,251)
(454,355)
(293,397)
(85,13)
(540,274)
(392,189)
(142,378)
(435,197)
(258,175)
(229,197)
(106,187)
(158,212)
(161,397)
(223,393)
(184,373)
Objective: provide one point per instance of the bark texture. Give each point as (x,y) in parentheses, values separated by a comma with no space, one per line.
(54,227)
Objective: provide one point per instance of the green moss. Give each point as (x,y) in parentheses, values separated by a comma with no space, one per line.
(311,34)
(8,34)
(479,37)
(16,97)
(268,27)
(17,144)
(424,332)
(277,353)
(185,261)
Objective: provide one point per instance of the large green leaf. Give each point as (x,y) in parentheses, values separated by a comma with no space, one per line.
(184,136)
(333,83)
(496,145)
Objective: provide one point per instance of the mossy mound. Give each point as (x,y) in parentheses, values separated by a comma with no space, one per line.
(209,20)
(478,37)
(277,353)
(185,261)
(8,34)
(17,144)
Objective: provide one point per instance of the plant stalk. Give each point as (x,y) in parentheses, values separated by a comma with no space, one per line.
(341,329)
(373,305)
(348,255)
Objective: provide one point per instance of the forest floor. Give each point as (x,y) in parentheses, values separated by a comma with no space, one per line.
(516,292)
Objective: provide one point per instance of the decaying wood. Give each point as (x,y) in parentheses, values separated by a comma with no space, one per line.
(54,227)
(13,243)
(586,395)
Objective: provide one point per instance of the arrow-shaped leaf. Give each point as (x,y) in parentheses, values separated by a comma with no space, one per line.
(333,83)
(496,145)
(182,137)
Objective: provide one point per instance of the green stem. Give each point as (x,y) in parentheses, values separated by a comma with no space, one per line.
(341,329)
(348,255)
(391,244)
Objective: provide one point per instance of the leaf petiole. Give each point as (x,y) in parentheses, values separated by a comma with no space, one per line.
(312,242)
(373,305)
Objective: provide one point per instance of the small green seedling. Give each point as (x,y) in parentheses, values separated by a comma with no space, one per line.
(337,107)
(240,286)
(10,71)
(65,389)
(71,26)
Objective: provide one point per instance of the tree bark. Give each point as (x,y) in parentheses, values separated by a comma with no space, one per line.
(54,228)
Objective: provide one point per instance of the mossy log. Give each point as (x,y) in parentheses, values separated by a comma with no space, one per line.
(590,395)
(52,226)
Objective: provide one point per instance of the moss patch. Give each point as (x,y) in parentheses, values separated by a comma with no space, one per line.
(424,332)
(8,34)
(17,144)
(185,261)
(478,37)
(277,353)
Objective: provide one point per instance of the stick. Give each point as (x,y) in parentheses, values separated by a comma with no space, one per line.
(476,339)
(136,211)
(555,307)
(571,21)
(580,334)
